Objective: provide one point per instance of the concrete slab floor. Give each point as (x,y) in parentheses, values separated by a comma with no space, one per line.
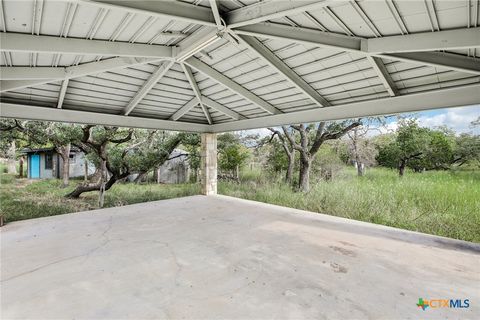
(221,257)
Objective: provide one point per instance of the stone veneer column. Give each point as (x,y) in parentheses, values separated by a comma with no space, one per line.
(208,167)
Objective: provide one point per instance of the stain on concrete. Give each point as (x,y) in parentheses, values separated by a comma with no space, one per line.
(343,251)
(345,243)
(338,268)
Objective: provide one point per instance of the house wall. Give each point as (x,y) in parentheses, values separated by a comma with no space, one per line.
(77,166)
(176,170)
(46,173)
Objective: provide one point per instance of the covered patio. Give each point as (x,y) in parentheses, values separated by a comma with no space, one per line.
(226,258)
(212,67)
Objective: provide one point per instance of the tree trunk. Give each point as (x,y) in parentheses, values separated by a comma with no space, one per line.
(11,161)
(304,177)
(290,168)
(401,167)
(64,152)
(157,174)
(81,188)
(140,178)
(103,182)
(21,161)
(85,177)
(360,168)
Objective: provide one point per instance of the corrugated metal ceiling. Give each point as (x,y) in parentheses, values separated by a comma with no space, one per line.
(338,76)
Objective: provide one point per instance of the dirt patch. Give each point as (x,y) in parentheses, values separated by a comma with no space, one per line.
(22,183)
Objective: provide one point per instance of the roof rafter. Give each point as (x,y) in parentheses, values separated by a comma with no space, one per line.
(345,43)
(173,10)
(61,95)
(384,76)
(21,111)
(269,10)
(184,109)
(220,108)
(443,98)
(203,101)
(216,13)
(377,63)
(301,35)
(425,41)
(284,69)
(147,86)
(21,77)
(10,85)
(196,90)
(48,44)
(232,85)
(445,60)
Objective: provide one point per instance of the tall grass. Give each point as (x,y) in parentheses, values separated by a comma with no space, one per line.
(445,203)
(26,199)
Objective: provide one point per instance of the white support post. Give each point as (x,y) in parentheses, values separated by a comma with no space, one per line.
(208,169)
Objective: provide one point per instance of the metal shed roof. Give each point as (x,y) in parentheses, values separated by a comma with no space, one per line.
(213,66)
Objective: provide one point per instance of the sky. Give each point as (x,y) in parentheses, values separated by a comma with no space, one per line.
(459,119)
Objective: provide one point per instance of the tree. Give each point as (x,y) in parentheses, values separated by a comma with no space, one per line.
(232,154)
(327,162)
(41,134)
(122,152)
(307,140)
(58,135)
(289,151)
(439,152)
(409,144)
(361,150)
(467,148)
(11,131)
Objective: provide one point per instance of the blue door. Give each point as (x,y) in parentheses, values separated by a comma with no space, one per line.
(35,166)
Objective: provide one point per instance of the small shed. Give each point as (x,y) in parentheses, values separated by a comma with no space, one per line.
(46,163)
(175,170)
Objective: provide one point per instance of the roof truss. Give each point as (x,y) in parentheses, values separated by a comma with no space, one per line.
(245,25)
(269,10)
(147,86)
(230,84)
(21,77)
(18,42)
(445,98)
(196,91)
(282,68)
(173,10)
(346,43)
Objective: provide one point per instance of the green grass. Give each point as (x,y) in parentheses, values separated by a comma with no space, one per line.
(442,203)
(26,199)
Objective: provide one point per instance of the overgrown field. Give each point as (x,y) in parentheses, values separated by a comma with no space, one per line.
(26,199)
(445,203)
